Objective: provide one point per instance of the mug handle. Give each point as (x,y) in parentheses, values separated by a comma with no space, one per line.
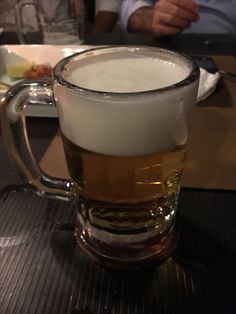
(16,140)
(18,9)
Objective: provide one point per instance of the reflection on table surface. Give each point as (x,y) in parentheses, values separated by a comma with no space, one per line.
(42,269)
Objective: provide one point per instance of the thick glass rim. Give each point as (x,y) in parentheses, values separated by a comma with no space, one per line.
(59,67)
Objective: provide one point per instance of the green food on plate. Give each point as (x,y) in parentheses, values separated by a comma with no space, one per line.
(17,70)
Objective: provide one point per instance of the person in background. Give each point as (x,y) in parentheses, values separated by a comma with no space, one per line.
(169,17)
(106,16)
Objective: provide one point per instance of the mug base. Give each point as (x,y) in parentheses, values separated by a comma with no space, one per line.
(148,254)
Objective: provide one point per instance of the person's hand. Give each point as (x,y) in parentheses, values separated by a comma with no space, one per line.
(173,16)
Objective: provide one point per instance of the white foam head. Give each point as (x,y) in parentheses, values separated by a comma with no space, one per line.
(128,74)
(125,125)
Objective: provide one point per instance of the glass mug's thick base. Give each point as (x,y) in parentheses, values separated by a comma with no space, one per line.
(130,237)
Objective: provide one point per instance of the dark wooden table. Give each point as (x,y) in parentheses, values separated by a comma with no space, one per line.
(215,44)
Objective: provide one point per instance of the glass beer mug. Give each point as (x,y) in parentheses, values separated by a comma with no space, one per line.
(57,22)
(123,119)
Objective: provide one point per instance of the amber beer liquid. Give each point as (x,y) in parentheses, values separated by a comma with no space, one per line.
(125,140)
(147,185)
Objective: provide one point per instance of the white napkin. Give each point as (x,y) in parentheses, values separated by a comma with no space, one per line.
(207,84)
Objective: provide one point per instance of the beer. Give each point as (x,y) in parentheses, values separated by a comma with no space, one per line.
(147,186)
(123,118)
(125,140)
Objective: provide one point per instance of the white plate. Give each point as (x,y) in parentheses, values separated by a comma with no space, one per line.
(38,54)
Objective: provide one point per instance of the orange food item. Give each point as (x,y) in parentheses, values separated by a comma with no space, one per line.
(38,70)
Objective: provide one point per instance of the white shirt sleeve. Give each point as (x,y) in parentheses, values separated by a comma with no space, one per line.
(107,5)
(128,7)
